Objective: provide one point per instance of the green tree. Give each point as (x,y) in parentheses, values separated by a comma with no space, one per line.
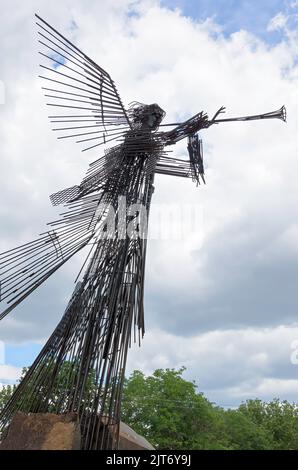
(5,393)
(171,414)
(278,418)
(242,433)
(167,410)
(61,382)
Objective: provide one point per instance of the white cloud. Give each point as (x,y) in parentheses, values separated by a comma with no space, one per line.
(267,388)
(279,21)
(228,365)
(9,374)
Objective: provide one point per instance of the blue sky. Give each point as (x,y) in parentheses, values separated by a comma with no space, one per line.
(21,355)
(233,15)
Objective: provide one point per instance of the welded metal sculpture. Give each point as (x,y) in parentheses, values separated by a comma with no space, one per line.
(81,367)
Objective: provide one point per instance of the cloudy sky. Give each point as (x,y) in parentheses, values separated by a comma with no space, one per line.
(222,298)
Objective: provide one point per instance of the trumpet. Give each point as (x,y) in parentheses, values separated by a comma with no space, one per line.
(279,114)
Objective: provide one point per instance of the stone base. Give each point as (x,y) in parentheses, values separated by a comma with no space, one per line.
(46,431)
(130,440)
(42,431)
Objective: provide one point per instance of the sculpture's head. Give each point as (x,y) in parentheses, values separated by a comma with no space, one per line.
(145,116)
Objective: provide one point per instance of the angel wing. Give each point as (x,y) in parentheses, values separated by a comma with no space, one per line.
(26,267)
(90,110)
(87,105)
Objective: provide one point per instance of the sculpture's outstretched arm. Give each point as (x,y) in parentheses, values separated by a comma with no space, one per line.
(200,121)
(195,167)
(185,129)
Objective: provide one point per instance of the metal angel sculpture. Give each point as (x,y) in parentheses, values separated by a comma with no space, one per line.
(105,312)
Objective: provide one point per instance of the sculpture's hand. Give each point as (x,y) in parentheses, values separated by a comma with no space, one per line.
(221,110)
(195,123)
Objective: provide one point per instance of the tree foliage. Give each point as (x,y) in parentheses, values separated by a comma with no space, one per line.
(166,409)
(170,412)
(5,393)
